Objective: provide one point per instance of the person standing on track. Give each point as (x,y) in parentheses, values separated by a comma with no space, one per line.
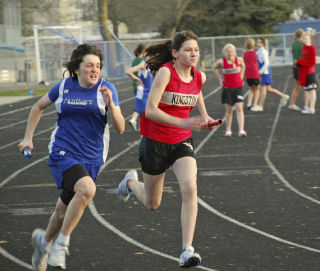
(296,54)
(77,149)
(144,79)
(138,52)
(166,129)
(307,77)
(266,77)
(252,73)
(233,69)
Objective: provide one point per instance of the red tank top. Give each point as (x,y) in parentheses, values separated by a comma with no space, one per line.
(231,74)
(250,60)
(178,99)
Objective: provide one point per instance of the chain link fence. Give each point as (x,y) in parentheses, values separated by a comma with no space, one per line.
(55,48)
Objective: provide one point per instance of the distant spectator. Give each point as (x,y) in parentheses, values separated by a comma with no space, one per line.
(296,54)
(138,52)
(233,69)
(266,77)
(307,75)
(252,73)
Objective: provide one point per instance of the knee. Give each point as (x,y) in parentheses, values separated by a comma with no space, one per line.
(228,112)
(189,191)
(86,189)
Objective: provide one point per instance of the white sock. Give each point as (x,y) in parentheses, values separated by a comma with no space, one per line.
(62,239)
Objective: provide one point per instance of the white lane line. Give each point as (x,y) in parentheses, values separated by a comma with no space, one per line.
(110,227)
(15,110)
(24,121)
(214,211)
(19,140)
(272,166)
(50,129)
(14,259)
(52,112)
(8,179)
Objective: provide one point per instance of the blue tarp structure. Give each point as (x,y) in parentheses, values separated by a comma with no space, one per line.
(5,46)
(292,26)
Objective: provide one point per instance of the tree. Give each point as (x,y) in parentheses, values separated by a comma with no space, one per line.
(32,12)
(228,17)
(103,20)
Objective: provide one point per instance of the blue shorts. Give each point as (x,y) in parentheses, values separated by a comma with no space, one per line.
(141,103)
(58,166)
(266,79)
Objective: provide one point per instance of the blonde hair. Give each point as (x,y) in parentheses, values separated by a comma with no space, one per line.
(227,46)
(249,44)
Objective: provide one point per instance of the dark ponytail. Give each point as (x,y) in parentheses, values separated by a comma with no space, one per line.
(159,54)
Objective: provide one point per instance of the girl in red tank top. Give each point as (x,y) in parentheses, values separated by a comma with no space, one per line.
(252,73)
(233,69)
(166,129)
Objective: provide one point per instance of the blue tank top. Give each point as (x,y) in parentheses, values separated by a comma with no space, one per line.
(82,130)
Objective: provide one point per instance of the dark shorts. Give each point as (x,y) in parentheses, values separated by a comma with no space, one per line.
(253,82)
(156,157)
(67,172)
(231,95)
(311,82)
(295,72)
(70,177)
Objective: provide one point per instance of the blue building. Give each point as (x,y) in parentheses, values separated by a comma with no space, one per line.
(292,26)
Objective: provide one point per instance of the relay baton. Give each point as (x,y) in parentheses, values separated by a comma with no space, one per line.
(210,124)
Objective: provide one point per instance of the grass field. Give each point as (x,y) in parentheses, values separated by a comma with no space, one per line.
(23,92)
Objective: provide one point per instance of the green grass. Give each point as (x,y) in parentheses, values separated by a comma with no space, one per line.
(23,92)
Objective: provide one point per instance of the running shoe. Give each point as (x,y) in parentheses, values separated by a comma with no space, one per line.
(189,258)
(284,100)
(123,189)
(228,134)
(307,110)
(41,252)
(242,133)
(294,107)
(133,124)
(57,256)
(257,108)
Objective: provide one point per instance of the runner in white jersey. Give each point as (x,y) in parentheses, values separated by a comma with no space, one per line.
(78,147)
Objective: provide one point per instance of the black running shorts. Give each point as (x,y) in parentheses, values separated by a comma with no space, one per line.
(231,96)
(156,157)
(70,177)
(295,72)
(311,82)
(253,82)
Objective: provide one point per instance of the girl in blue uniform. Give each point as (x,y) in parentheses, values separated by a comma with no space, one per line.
(77,149)
(266,77)
(144,79)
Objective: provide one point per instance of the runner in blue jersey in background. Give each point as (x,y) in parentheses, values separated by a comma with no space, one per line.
(145,80)
(77,149)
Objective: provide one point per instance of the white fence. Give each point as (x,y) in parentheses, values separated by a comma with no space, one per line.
(55,49)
